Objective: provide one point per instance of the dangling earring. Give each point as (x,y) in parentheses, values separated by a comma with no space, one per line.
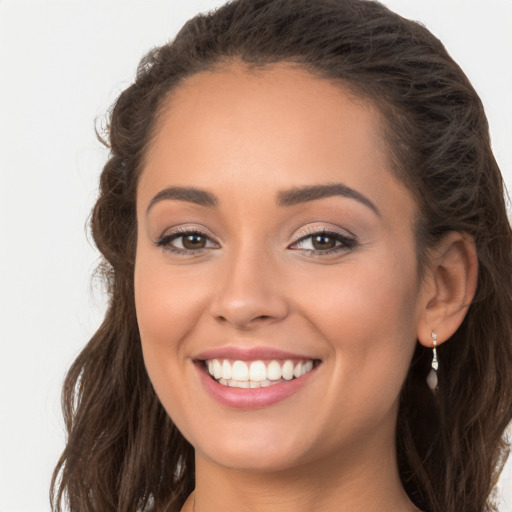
(432,380)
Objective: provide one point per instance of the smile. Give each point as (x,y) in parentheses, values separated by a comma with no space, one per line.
(256,377)
(256,374)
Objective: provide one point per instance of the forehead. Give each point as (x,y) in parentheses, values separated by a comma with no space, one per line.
(279,125)
(268,98)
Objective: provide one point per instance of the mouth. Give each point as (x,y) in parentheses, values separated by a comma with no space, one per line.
(257,373)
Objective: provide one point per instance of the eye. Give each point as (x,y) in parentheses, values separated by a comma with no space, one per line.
(186,242)
(324,241)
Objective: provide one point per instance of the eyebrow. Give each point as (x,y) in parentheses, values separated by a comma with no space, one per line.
(301,195)
(291,197)
(189,194)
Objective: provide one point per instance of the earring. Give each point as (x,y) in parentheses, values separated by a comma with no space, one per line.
(432,380)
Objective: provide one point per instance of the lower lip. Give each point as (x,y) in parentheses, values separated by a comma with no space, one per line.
(247,398)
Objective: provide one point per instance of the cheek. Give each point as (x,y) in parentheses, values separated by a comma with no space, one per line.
(167,301)
(368,316)
(376,295)
(167,311)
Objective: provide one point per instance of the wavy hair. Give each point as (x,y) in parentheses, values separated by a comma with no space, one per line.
(123,452)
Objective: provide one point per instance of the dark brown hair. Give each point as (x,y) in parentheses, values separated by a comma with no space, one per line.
(123,452)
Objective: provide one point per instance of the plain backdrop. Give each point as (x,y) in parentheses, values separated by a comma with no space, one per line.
(62,63)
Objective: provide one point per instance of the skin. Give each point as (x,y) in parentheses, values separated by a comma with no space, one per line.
(245,136)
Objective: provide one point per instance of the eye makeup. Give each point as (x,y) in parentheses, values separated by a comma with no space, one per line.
(313,242)
(186,241)
(322,242)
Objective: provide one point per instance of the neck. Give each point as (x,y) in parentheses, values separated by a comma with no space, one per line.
(369,482)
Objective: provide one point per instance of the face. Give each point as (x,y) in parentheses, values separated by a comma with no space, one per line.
(275,251)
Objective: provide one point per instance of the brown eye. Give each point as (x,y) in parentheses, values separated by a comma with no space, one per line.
(193,241)
(187,242)
(323,242)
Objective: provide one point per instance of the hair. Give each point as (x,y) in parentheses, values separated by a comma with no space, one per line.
(123,452)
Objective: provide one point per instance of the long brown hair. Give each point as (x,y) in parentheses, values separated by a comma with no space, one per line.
(123,452)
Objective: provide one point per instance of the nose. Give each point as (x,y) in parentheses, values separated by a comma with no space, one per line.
(250,291)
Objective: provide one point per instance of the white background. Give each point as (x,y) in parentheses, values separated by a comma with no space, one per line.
(62,63)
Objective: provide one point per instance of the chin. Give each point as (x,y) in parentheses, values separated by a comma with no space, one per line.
(256,460)
(260,449)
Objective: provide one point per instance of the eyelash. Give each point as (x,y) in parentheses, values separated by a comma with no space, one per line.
(345,242)
(165,242)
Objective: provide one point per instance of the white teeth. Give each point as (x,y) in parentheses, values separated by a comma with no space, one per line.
(240,371)
(257,371)
(287,370)
(217,369)
(226,370)
(274,371)
(256,374)
(248,384)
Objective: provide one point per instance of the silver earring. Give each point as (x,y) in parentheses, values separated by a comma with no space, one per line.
(432,380)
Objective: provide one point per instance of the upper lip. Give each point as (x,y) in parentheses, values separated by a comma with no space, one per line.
(249,354)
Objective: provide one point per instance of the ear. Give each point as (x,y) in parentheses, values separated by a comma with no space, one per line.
(448,287)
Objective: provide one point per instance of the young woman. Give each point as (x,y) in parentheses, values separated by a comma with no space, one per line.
(309,261)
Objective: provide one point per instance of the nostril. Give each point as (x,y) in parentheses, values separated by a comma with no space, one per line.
(249,311)
(246,323)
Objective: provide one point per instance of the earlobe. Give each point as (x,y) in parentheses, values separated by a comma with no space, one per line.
(448,287)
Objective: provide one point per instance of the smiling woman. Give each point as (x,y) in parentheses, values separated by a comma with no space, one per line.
(304,230)
(277,277)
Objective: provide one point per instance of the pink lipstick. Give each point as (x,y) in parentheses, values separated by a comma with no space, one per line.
(253,378)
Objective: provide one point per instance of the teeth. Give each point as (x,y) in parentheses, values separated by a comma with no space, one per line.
(217,369)
(274,371)
(257,371)
(240,371)
(287,370)
(226,370)
(256,374)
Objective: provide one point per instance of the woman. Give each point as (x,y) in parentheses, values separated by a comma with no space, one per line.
(309,263)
